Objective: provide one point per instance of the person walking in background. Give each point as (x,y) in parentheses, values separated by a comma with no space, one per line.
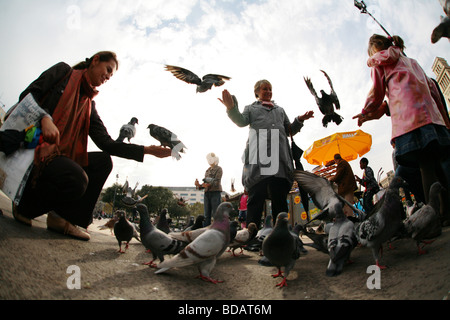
(370,184)
(243,209)
(345,180)
(66,179)
(213,187)
(420,128)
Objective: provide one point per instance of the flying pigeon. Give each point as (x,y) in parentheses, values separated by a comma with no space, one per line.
(327,103)
(162,223)
(128,130)
(205,249)
(341,242)
(203,84)
(443,29)
(256,243)
(123,230)
(167,139)
(155,240)
(243,237)
(385,223)
(424,225)
(323,195)
(281,249)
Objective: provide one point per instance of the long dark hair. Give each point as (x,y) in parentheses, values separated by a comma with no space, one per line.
(104,56)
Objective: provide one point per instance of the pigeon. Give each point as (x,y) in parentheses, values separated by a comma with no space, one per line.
(256,243)
(198,222)
(424,225)
(281,249)
(327,103)
(385,223)
(123,230)
(234,225)
(203,84)
(162,223)
(109,225)
(320,241)
(130,194)
(189,223)
(341,241)
(443,29)
(243,237)
(167,139)
(128,131)
(155,240)
(323,195)
(205,249)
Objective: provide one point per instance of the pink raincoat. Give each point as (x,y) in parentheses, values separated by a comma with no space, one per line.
(414,100)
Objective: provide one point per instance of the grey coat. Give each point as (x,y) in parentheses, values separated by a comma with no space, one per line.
(267,152)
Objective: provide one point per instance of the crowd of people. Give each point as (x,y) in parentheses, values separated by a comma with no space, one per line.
(67,179)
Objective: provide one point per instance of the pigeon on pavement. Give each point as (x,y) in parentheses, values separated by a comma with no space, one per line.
(155,240)
(128,131)
(281,249)
(256,243)
(162,223)
(327,103)
(167,139)
(323,195)
(206,248)
(203,84)
(341,242)
(424,225)
(123,230)
(243,237)
(385,223)
(234,225)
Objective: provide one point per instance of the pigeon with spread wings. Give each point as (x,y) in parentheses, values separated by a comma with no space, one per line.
(327,103)
(204,84)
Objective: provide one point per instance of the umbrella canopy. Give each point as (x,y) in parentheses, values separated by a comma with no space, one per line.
(349,145)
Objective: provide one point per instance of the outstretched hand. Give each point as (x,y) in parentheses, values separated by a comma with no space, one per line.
(227,99)
(306,116)
(159,152)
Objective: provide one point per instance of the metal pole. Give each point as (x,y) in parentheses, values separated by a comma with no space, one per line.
(363,8)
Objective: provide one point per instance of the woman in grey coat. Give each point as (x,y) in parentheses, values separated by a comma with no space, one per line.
(268,163)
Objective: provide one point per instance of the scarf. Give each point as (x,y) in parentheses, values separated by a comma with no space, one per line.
(72,118)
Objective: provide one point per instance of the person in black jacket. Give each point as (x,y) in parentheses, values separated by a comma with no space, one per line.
(66,180)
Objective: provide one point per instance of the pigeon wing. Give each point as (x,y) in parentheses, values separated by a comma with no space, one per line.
(333,94)
(318,188)
(215,79)
(184,75)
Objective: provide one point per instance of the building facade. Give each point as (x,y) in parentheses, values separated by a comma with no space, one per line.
(442,71)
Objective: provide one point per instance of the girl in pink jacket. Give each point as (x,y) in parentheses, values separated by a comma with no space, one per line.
(420,126)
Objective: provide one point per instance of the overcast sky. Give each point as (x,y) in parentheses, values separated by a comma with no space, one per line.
(278,40)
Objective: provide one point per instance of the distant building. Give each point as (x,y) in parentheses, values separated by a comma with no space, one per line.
(190,194)
(442,70)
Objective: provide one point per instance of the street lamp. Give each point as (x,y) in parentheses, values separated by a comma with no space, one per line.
(363,8)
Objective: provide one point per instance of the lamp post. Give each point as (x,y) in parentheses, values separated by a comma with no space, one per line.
(363,8)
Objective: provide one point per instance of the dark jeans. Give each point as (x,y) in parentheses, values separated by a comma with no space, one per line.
(211,202)
(68,189)
(272,188)
(368,199)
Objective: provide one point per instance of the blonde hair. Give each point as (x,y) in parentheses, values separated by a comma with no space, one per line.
(382,43)
(258,86)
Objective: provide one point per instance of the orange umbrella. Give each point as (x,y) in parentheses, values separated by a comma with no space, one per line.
(349,145)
